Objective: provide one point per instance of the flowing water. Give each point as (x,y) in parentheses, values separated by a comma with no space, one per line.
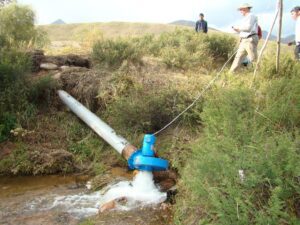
(67,200)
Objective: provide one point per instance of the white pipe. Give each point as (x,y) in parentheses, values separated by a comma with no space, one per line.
(94,122)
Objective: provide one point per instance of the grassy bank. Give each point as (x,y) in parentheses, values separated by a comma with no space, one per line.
(244,169)
(236,150)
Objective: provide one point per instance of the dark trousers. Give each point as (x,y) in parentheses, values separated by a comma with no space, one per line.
(297,52)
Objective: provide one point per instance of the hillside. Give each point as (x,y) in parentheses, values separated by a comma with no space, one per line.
(184,23)
(58,22)
(189,23)
(73,32)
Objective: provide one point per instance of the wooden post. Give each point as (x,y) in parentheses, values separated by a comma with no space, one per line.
(280,8)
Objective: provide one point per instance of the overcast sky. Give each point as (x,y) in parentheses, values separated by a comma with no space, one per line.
(219,13)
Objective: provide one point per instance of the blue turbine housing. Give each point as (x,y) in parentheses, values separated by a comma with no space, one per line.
(144,159)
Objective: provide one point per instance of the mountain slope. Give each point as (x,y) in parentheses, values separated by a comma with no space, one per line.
(58,22)
(75,32)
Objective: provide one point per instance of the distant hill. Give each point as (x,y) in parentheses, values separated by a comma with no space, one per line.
(58,22)
(75,32)
(284,40)
(265,34)
(184,23)
(188,23)
(288,39)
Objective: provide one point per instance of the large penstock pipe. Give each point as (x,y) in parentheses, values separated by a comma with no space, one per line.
(143,159)
(95,123)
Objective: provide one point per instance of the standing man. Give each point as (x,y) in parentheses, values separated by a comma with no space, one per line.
(201,24)
(248,37)
(295,12)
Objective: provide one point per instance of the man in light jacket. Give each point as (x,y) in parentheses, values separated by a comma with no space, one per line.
(295,13)
(248,37)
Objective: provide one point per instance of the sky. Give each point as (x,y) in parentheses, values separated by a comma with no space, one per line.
(220,14)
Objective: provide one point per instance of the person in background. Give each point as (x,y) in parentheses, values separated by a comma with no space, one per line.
(248,37)
(201,24)
(295,13)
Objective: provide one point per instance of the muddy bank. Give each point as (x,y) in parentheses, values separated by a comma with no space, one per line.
(40,61)
(159,215)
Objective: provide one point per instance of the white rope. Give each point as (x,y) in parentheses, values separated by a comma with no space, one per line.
(264,46)
(198,97)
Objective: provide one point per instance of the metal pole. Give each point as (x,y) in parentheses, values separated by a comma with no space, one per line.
(280,7)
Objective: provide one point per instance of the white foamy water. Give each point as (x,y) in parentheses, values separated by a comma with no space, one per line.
(140,192)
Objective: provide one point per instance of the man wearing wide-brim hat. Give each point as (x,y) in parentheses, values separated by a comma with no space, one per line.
(295,13)
(248,37)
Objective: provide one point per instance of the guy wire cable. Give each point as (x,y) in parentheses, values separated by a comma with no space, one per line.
(198,97)
(264,46)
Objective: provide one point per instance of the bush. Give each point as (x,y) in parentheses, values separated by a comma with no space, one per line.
(185,49)
(17,27)
(181,49)
(148,111)
(113,53)
(7,123)
(288,67)
(17,95)
(242,171)
(147,44)
(281,105)
(13,87)
(17,162)
(42,91)
(221,46)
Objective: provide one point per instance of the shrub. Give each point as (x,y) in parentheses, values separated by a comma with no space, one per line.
(242,171)
(288,67)
(42,91)
(17,162)
(281,104)
(177,58)
(186,49)
(181,49)
(147,44)
(18,96)
(7,123)
(17,26)
(149,111)
(113,53)
(13,87)
(221,46)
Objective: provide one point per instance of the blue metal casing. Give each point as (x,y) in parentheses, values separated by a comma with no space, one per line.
(144,159)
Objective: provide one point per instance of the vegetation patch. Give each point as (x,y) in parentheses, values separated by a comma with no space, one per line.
(245,168)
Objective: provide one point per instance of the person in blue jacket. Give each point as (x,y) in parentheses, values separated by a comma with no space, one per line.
(201,24)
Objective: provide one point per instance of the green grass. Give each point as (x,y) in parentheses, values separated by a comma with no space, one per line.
(253,130)
(18,161)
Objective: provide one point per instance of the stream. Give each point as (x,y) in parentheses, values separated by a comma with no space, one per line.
(67,200)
